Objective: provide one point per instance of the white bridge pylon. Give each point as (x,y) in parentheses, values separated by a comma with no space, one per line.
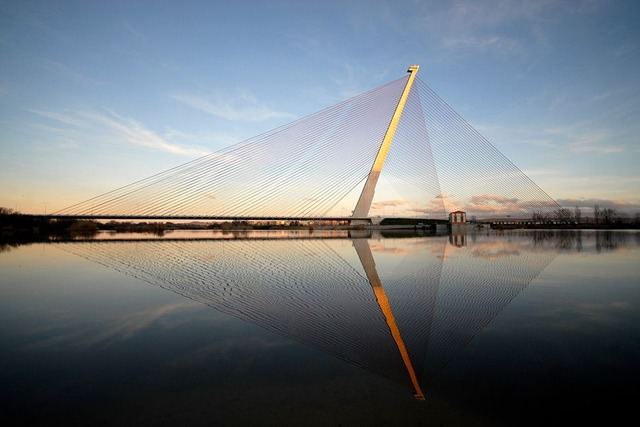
(368,191)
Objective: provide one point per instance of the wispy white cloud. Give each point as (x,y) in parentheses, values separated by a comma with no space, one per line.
(566,183)
(135,33)
(353,78)
(346,79)
(347,76)
(210,139)
(476,25)
(518,135)
(242,106)
(584,141)
(68,72)
(484,199)
(134,132)
(540,172)
(501,43)
(487,25)
(115,127)
(593,145)
(388,203)
(625,49)
(67,118)
(573,138)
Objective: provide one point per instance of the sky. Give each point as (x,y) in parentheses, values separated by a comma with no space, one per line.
(94,95)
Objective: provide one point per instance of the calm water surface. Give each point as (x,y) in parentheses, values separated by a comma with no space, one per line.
(199,328)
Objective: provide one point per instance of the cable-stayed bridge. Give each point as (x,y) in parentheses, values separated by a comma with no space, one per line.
(398,146)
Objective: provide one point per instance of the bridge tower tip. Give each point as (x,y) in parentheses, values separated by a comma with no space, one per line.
(413,68)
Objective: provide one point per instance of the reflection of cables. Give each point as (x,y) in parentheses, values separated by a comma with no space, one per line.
(306,290)
(477,284)
(303,289)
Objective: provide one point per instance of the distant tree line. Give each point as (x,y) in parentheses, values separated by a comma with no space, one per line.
(13,223)
(601,217)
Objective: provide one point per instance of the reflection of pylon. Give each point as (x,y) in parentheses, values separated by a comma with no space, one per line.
(369,265)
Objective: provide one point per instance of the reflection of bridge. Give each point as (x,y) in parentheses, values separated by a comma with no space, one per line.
(397,146)
(317,292)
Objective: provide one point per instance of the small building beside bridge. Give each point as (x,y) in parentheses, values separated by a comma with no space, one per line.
(457,217)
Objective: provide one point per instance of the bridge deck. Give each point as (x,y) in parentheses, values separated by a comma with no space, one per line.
(219,218)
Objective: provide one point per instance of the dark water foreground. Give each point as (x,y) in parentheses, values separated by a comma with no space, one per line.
(205,328)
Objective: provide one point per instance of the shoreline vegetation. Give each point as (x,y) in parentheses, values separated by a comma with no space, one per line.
(15,225)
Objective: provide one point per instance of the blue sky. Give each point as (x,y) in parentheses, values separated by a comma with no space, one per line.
(94,95)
